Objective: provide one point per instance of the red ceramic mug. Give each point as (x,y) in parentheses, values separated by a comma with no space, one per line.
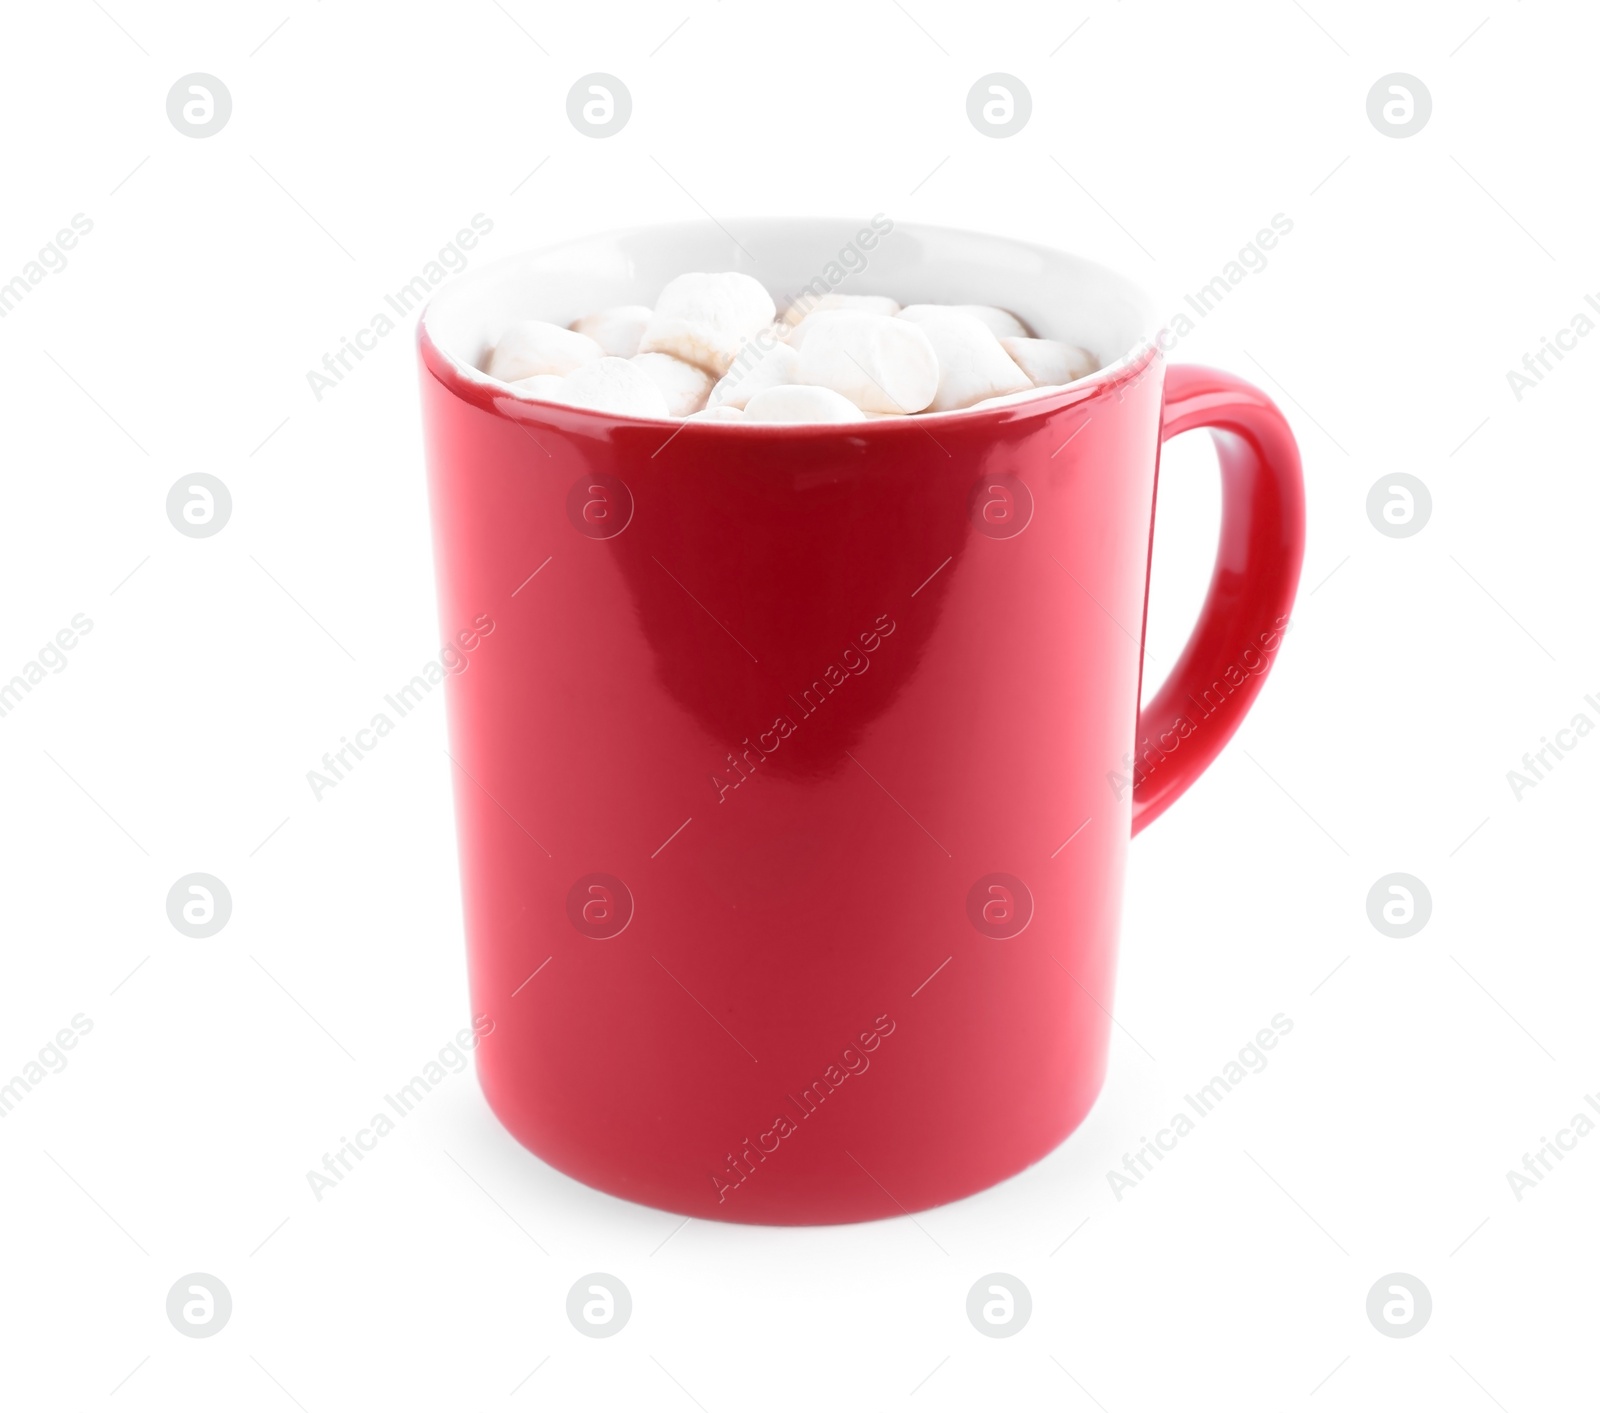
(796,766)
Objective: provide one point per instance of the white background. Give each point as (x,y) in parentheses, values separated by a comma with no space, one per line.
(178,736)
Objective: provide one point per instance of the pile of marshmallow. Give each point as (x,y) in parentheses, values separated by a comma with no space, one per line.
(715,349)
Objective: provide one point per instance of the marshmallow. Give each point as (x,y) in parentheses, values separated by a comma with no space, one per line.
(1003,325)
(618,330)
(703,319)
(532,346)
(682,384)
(761,364)
(806,305)
(795,334)
(1049,363)
(714,349)
(615,385)
(972,365)
(881,364)
(1009,399)
(546,387)
(792,403)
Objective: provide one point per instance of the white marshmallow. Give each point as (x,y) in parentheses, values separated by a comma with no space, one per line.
(1003,324)
(1008,399)
(881,364)
(761,364)
(531,347)
(618,330)
(546,387)
(615,385)
(972,365)
(703,319)
(1048,362)
(713,346)
(792,403)
(682,384)
(806,305)
(796,334)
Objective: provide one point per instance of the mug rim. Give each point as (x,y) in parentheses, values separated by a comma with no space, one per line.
(470,383)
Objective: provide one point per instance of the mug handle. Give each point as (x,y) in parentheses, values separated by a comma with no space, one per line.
(1246,613)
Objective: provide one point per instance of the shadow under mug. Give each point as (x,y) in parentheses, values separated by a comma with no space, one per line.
(795,766)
